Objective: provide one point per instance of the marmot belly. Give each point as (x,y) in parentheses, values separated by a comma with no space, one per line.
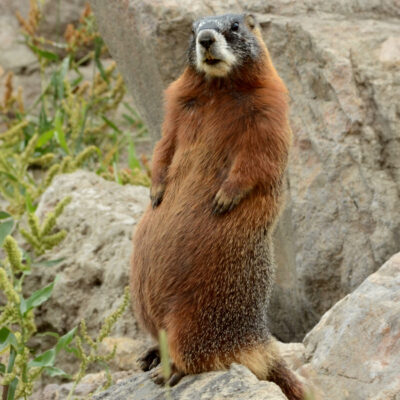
(182,238)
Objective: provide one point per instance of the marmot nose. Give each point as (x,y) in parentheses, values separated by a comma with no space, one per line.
(206,39)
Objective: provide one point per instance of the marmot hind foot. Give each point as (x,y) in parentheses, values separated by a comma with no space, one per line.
(157,376)
(149,359)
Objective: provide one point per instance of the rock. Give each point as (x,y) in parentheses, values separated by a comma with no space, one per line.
(14,55)
(88,385)
(96,253)
(293,354)
(339,63)
(128,350)
(355,348)
(390,50)
(57,17)
(238,383)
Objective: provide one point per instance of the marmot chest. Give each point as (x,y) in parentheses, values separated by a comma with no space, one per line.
(210,134)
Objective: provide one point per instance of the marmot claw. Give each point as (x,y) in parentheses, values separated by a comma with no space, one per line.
(156,195)
(223,203)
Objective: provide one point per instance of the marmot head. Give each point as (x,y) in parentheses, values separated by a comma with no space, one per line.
(221,43)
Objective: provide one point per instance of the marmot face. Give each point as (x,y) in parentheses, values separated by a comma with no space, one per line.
(220,44)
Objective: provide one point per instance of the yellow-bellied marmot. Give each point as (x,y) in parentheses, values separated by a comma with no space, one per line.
(202,266)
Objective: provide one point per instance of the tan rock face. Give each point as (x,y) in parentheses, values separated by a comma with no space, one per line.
(342,220)
(128,349)
(390,50)
(100,220)
(355,348)
(236,384)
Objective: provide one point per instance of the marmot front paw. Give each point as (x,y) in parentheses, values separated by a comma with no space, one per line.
(156,194)
(224,202)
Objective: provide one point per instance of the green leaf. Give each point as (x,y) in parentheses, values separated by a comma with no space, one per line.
(64,68)
(7,338)
(44,123)
(9,176)
(65,340)
(129,119)
(48,263)
(44,138)
(5,230)
(58,77)
(26,257)
(29,204)
(2,368)
(116,174)
(22,305)
(52,334)
(111,124)
(12,387)
(76,81)
(4,215)
(53,371)
(59,131)
(73,350)
(37,298)
(133,162)
(98,44)
(128,107)
(45,359)
(44,53)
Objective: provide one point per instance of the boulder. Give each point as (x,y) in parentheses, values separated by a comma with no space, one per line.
(339,60)
(89,384)
(355,348)
(95,258)
(238,383)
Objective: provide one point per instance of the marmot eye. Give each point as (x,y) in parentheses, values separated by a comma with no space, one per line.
(235,26)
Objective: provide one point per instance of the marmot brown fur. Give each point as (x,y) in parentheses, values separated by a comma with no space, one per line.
(202,266)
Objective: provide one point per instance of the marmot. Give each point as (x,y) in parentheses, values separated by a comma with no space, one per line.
(202,265)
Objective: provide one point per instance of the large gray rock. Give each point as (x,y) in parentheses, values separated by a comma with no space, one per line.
(238,383)
(340,60)
(355,348)
(100,220)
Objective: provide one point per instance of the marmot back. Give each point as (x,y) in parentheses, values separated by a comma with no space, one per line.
(202,266)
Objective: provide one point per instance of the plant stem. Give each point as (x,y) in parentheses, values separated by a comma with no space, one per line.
(11,360)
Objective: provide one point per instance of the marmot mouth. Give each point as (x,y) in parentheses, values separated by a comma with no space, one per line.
(211,61)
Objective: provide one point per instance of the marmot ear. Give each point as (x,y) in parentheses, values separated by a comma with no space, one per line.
(250,20)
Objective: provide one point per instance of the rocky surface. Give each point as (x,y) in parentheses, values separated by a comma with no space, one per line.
(355,348)
(340,60)
(100,220)
(352,353)
(238,383)
(90,384)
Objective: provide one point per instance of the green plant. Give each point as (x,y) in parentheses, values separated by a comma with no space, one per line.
(62,130)
(87,349)
(17,314)
(40,236)
(70,121)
